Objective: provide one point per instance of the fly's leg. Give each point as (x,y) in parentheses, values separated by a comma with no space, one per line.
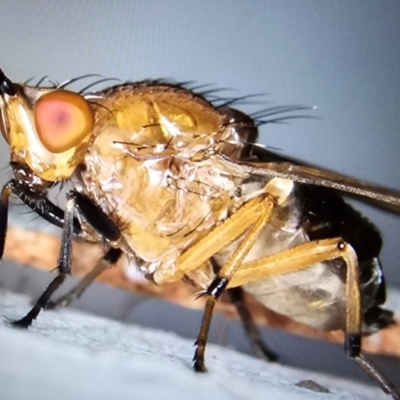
(303,256)
(257,344)
(64,267)
(252,217)
(4,200)
(223,234)
(218,285)
(96,218)
(249,220)
(48,211)
(40,205)
(107,261)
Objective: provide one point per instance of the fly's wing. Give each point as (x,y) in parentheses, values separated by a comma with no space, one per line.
(382,197)
(271,165)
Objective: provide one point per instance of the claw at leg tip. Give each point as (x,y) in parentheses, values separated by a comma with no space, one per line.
(199,366)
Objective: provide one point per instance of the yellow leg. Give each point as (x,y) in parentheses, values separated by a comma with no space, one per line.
(4,200)
(249,214)
(218,285)
(305,255)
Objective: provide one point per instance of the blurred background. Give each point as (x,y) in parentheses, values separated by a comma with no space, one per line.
(343,58)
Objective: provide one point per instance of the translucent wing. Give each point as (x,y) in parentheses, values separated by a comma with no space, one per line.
(271,165)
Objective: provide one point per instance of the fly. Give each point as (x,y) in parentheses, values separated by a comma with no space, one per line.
(179,185)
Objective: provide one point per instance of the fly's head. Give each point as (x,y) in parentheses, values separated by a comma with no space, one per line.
(47,129)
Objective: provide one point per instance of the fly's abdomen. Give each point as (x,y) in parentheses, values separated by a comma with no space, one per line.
(313,296)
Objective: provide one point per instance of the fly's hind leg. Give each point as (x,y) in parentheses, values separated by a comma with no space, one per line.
(307,254)
(257,344)
(107,261)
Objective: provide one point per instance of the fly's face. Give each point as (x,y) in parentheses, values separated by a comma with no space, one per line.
(47,129)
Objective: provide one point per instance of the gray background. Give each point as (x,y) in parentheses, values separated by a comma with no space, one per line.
(339,56)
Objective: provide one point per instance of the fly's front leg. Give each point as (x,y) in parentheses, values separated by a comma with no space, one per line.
(305,255)
(40,205)
(253,333)
(107,261)
(63,267)
(218,285)
(53,214)
(95,217)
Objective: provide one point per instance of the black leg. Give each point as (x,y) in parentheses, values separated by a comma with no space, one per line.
(108,260)
(50,212)
(253,333)
(98,219)
(43,207)
(353,350)
(63,267)
(40,205)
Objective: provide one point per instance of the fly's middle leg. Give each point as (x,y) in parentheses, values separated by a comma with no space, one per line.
(257,344)
(107,261)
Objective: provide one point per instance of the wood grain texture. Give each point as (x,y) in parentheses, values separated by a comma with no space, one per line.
(40,250)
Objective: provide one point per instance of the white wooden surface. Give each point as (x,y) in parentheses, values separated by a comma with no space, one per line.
(72,355)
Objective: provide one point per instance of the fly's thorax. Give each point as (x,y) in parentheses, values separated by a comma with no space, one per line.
(160,118)
(153,166)
(162,202)
(46,129)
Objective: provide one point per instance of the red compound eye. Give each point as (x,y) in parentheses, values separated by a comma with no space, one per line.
(63,119)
